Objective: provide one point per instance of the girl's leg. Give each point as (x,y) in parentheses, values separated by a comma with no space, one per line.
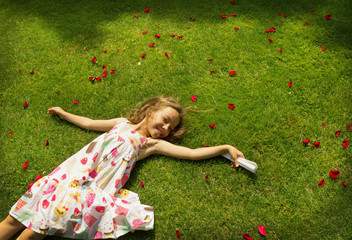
(9,227)
(30,235)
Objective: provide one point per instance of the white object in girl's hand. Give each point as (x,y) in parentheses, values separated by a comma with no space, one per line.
(249,165)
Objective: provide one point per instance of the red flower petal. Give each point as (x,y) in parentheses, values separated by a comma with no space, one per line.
(262,230)
(272,29)
(104,67)
(270,40)
(178,234)
(75,101)
(223,16)
(113,70)
(306,141)
(316,144)
(231,106)
(212,126)
(106,71)
(282,15)
(194,98)
(94,59)
(246,236)
(136,16)
(268,31)
(147,10)
(25,165)
(98,78)
(167,55)
(334,174)
(307,23)
(313,187)
(345,141)
(30,185)
(324,124)
(151,44)
(321,183)
(344,184)
(232,73)
(290,84)
(11,133)
(157,35)
(232,2)
(58,93)
(91,78)
(236,28)
(19,70)
(142,184)
(192,19)
(338,132)
(280,50)
(348,127)
(344,145)
(25,104)
(105,51)
(32,72)
(180,36)
(328,17)
(314,10)
(172,35)
(210,60)
(46,143)
(105,74)
(117,50)
(38,177)
(211,71)
(233,15)
(206,177)
(323,48)
(143,55)
(144,32)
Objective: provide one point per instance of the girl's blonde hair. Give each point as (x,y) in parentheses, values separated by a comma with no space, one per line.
(137,114)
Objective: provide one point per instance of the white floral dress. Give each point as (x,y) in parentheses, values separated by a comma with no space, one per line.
(83,197)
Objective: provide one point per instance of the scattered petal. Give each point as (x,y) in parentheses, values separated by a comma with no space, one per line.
(25,165)
(32,72)
(46,143)
(98,78)
(231,106)
(334,174)
(142,184)
(105,51)
(157,35)
(323,48)
(321,183)
(19,70)
(314,10)
(105,74)
(113,70)
(25,105)
(192,19)
(313,187)
(211,71)
(233,15)
(328,17)
(136,16)
(172,35)
(338,132)
(143,55)
(232,73)
(344,184)
(270,40)
(210,60)
(151,44)
(58,93)
(316,144)
(104,67)
(178,234)
(212,126)
(306,141)
(282,15)
(30,185)
(147,10)
(232,2)
(144,32)
(348,127)
(272,29)
(223,16)
(206,177)
(324,124)
(75,101)
(290,84)
(246,236)
(94,60)
(236,28)
(117,50)
(280,50)
(11,133)
(262,230)
(167,55)
(106,71)
(91,78)
(38,177)
(194,98)
(307,23)
(180,36)
(268,31)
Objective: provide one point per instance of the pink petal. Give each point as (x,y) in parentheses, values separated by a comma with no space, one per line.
(324,124)
(30,185)
(151,44)
(236,28)
(167,55)
(142,184)
(157,35)
(172,35)
(290,84)
(94,59)
(232,73)
(75,101)
(194,98)
(38,177)
(25,165)
(246,236)
(323,48)
(144,32)
(180,36)
(212,126)
(268,31)
(344,184)
(262,230)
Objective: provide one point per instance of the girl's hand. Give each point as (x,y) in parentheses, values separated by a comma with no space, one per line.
(235,153)
(56,110)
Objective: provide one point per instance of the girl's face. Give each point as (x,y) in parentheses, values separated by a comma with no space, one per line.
(161,122)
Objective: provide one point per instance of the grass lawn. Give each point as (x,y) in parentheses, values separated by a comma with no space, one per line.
(58,40)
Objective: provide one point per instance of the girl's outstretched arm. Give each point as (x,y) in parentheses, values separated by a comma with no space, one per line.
(158,146)
(84,122)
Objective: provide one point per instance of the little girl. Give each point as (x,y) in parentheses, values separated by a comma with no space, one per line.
(83,197)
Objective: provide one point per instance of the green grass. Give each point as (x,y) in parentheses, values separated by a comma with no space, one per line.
(58,39)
